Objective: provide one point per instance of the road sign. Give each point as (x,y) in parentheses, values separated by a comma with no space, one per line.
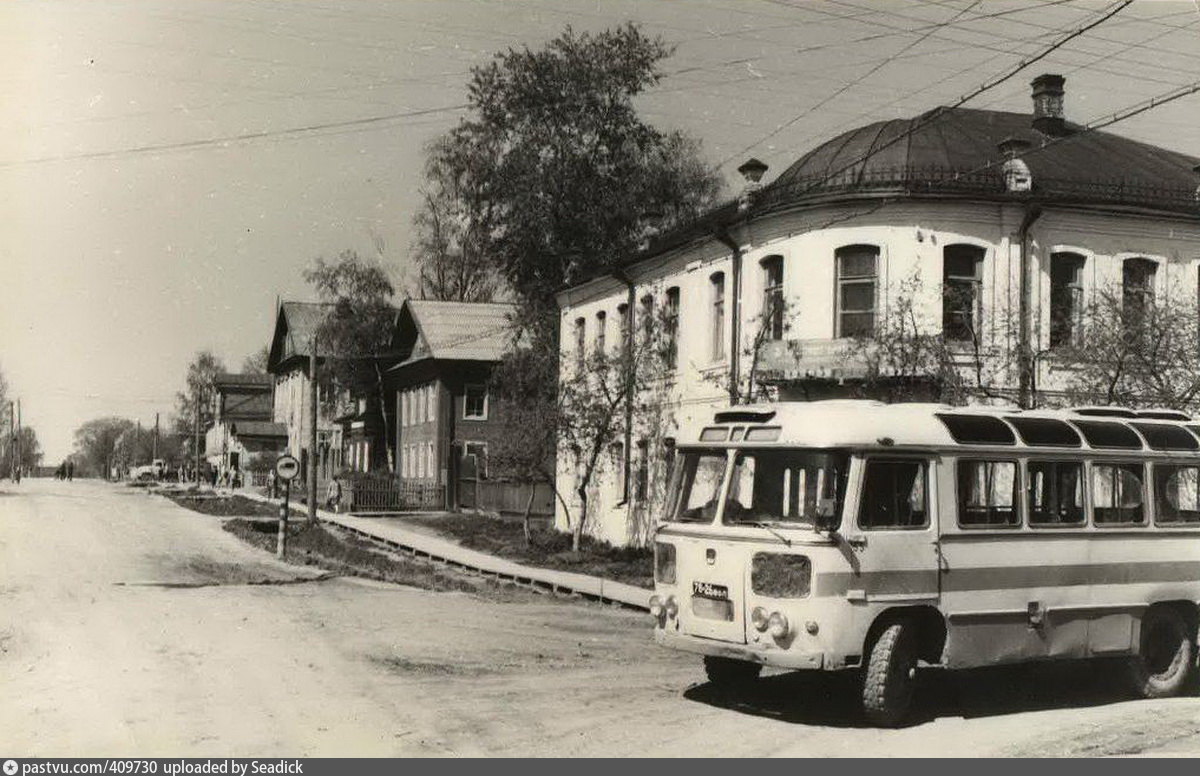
(287,468)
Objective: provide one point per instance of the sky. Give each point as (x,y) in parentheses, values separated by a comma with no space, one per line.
(168,169)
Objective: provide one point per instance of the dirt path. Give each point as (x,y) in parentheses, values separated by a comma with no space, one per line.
(97,658)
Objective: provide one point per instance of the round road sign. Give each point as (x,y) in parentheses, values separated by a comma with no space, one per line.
(287,467)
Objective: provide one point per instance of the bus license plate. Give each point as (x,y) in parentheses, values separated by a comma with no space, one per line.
(709,590)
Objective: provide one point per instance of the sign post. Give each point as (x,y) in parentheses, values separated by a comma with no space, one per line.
(286,469)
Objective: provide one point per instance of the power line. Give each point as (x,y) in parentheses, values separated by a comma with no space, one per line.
(245,137)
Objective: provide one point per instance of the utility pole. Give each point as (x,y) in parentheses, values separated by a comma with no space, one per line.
(196,442)
(312,432)
(18,441)
(155,458)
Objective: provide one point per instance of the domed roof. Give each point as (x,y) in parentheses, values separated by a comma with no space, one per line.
(955,150)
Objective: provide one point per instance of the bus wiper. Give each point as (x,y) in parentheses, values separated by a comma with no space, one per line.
(767,527)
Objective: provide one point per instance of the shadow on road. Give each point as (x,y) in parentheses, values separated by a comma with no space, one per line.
(832,699)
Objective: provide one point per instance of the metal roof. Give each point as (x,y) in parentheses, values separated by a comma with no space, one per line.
(229,379)
(461,331)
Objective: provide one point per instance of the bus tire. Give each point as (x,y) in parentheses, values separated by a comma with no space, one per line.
(727,672)
(1166,651)
(890,677)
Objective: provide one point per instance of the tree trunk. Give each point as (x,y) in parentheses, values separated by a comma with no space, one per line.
(577,529)
(387,436)
(528,509)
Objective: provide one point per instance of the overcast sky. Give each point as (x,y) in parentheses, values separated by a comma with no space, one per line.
(168,168)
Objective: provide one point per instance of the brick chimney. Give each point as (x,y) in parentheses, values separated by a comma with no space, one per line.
(752,171)
(1048,104)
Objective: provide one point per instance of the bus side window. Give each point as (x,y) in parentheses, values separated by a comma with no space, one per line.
(1177,494)
(1117,494)
(987,494)
(1055,493)
(893,495)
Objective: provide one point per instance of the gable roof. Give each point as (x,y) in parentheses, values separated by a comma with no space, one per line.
(295,324)
(247,380)
(456,331)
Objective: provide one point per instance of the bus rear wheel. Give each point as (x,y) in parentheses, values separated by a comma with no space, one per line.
(1166,651)
(890,678)
(727,672)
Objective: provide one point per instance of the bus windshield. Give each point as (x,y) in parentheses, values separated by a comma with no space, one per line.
(765,486)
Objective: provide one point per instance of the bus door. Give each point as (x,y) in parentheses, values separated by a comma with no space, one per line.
(891,532)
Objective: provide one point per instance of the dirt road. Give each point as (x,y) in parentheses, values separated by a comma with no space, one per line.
(130,626)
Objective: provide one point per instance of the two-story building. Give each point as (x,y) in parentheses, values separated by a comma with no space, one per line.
(992,229)
(243,429)
(296,324)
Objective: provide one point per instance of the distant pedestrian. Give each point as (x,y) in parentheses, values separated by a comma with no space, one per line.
(70,470)
(333,497)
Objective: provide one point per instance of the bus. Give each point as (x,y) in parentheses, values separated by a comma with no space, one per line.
(873,538)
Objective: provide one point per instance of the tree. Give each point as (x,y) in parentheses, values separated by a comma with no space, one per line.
(453,229)
(256,362)
(356,333)
(1134,352)
(197,395)
(96,443)
(31,451)
(554,169)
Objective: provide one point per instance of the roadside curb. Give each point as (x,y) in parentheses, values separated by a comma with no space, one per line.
(443,551)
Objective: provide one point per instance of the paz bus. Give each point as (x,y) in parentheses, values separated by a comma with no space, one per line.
(860,536)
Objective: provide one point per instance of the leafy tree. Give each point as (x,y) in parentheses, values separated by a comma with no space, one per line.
(554,168)
(453,229)
(1134,353)
(256,362)
(96,443)
(31,451)
(356,333)
(198,393)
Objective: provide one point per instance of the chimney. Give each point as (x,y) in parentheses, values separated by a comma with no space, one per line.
(1048,104)
(1017,176)
(648,226)
(752,171)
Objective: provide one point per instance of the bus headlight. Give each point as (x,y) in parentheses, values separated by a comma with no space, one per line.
(656,607)
(758,618)
(671,607)
(777,625)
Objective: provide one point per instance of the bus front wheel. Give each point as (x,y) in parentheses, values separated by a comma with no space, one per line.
(1160,668)
(890,677)
(726,672)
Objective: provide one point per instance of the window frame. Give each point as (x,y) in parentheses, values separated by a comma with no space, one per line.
(601,331)
(842,281)
(865,462)
(466,447)
(973,282)
(580,341)
(772,310)
(1085,491)
(718,314)
(1018,498)
(1091,491)
(466,401)
(1158,521)
(671,303)
(1144,294)
(1074,291)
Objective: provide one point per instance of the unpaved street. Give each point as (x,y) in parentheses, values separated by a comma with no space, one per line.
(130,626)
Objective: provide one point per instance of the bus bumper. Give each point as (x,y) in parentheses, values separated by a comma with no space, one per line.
(790,658)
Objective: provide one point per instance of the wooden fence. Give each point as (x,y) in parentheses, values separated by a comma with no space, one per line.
(506,497)
(385,493)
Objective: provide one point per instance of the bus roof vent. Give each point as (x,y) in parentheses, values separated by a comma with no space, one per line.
(1164,436)
(1045,432)
(744,416)
(1105,412)
(1108,436)
(977,429)
(1163,415)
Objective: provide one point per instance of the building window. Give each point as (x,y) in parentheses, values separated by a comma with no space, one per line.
(580,342)
(475,403)
(404,408)
(773,297)
(857,277)
(431,403)
(623,324)
(717,284)
(433,467)
(647,324)
(962,292)
(601,326)
(1137,295)
(1066,299)
(671,324)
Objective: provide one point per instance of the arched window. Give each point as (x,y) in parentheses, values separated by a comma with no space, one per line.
(1066,299)
(772,315)
(857,277)
(671,324)
(1137,294)
(601,326)
(580,341)
(962,292)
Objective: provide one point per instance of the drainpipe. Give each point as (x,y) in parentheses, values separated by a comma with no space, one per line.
(620,275)
(735,324)
(1024,347)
